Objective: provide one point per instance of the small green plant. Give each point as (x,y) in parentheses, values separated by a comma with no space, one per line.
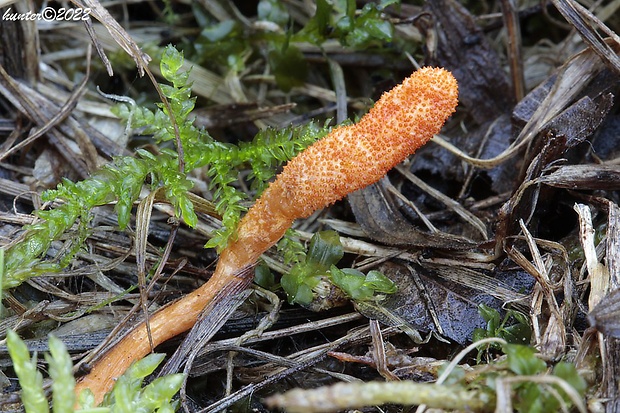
(128,394)
(532,395)
(513,328)
(358,29)
(121,181)
(319,264)
(30,378)
(359,286)
(229,44)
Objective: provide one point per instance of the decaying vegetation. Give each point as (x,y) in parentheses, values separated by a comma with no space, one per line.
(503,231)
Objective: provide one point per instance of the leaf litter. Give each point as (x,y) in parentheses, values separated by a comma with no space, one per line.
(501,229)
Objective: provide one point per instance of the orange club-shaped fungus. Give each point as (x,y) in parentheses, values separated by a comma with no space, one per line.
(347,159)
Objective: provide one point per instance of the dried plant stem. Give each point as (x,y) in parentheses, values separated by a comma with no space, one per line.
(344,396)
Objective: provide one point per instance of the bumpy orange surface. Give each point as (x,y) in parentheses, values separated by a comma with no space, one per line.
(348,159)
(352,157)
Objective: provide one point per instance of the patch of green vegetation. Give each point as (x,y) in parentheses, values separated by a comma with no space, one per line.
(513,328)
(319,264)
(128,395)
(359,286)
(532,395)
(231,45)
(340,19)
(534,386)
(163,170)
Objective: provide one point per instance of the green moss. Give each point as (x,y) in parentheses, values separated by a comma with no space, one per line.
(128,394)
(121,181)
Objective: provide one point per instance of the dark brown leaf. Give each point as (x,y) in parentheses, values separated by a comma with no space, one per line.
(380,219)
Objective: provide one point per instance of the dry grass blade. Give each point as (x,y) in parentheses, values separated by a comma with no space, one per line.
(205,83)
(337,77)
(450,203)
(143,218)
(597,271)
(612,246)
(513,27)
(118,33)
(604,317)
(582,20)
(59,117)
(611,345)
(572,78)
(553,339)
(584,177)
(43,112)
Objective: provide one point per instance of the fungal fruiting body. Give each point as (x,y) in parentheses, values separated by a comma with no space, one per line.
(347,159)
